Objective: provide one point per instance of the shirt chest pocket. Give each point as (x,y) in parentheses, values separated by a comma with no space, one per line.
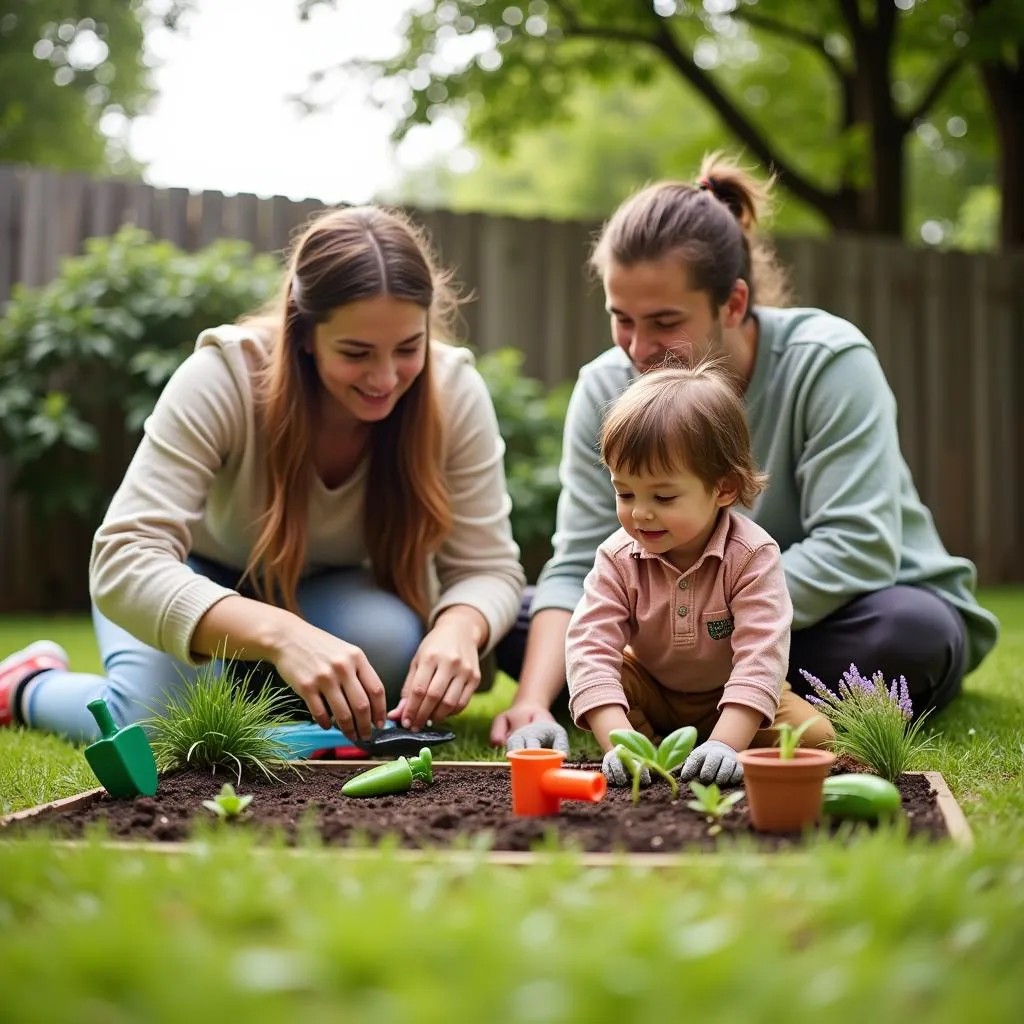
(716,627)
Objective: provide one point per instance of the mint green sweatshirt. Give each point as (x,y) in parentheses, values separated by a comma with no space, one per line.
(840,500)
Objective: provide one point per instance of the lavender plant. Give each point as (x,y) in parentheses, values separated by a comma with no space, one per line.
(874,722)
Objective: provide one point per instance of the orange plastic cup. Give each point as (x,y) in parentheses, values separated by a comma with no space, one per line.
(540,784)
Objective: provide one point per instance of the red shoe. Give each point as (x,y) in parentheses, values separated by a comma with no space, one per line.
(37,657)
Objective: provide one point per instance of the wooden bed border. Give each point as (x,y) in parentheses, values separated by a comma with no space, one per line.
(956,824)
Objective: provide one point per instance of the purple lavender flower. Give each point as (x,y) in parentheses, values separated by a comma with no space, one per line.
(905,705)
(825,696)
(856,689)
(855,681)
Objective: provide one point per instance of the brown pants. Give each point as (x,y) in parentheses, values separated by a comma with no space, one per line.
(656,711)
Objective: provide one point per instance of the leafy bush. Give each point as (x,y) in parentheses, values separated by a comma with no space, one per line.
(531,423)
(98,344)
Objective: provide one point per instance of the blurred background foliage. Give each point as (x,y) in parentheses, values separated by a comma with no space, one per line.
(880,116)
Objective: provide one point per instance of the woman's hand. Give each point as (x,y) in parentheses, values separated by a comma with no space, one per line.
(446,670)
(333,677)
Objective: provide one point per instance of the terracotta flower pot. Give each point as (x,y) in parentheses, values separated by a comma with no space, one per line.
(784,796)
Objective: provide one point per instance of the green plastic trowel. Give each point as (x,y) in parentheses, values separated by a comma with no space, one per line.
(121,759)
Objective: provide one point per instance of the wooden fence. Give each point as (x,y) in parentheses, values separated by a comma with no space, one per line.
(947,328)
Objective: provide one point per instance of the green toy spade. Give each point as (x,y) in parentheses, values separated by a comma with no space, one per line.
(392,777)
(122,759)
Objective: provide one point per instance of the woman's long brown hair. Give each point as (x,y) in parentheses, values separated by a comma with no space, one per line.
(344,256)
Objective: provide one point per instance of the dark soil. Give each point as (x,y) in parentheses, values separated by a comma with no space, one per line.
(463,803)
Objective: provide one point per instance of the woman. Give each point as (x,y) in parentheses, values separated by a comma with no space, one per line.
(319,487)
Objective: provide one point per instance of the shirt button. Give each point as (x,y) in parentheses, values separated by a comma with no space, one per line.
(682,611)
(682,584)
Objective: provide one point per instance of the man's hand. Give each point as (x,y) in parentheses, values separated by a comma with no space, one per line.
(538,735)
(618,774)
(713,761)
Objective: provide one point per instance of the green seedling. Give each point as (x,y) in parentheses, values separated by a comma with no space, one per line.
(393,777)
(227,803)
(713,804)
(789,737)
(637,752)
(121,759)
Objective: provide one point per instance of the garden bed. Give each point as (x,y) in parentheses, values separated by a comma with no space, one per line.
(468,800)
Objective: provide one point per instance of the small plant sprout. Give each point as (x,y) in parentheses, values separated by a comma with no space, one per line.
(713,804)
(227,804)
(789,737)
(874,722)
(637,752)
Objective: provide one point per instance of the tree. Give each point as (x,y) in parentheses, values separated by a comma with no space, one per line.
(65,65)
(824,92)
(998,45)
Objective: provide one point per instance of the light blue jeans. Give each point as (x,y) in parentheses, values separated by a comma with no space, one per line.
(138,677)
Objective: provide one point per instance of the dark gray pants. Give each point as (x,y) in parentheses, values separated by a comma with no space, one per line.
(898,631)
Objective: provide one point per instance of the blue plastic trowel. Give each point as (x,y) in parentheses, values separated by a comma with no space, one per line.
(307,741)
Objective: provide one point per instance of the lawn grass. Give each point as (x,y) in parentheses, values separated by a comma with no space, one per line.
(882,930)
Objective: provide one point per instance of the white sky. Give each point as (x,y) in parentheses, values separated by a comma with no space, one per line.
(222,119)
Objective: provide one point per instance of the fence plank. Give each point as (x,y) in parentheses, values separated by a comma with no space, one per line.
(106,208)
(241,218)
(282,223)
(210,219)
(172,216)
(32,256)
(10,232)
(1006,430)
(141,206)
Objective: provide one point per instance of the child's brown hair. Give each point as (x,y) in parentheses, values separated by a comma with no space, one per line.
(676,417)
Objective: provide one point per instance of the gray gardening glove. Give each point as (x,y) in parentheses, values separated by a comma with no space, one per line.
(538,735)
(713,761)
(617,773)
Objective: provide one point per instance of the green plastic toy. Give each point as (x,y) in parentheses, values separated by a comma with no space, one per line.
(122,759)
(394,777)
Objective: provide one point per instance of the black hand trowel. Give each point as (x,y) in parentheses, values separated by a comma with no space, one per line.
(121,759)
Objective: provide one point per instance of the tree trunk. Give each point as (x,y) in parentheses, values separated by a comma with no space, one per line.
(847,211)
(1005,88)
(886,194)
(882,201)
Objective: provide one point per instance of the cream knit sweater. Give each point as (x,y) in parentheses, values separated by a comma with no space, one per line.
(197,484)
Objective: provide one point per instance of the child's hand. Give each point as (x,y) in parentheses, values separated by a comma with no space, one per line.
(714,761)
(617,775)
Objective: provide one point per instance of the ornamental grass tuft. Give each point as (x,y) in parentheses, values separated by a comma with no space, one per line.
(216,722)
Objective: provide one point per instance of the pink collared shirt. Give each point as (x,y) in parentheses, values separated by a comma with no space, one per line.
(723,624)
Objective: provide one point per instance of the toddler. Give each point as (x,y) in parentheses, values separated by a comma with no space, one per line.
(685,618)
